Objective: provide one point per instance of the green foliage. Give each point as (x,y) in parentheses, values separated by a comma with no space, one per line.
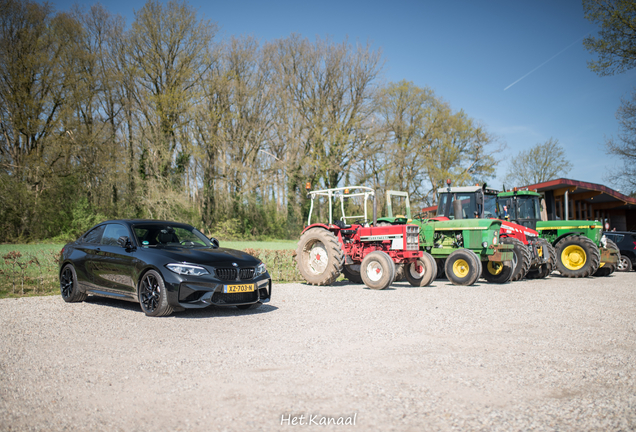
(615,45)
(543,162)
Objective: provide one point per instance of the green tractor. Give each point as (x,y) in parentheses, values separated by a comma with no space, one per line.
(464,249)
(581,248)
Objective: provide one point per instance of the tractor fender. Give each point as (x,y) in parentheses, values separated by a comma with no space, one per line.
(325,226)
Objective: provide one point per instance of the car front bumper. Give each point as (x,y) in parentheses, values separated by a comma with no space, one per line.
(196,294)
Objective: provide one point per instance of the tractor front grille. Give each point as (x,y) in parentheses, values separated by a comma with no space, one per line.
(412,237)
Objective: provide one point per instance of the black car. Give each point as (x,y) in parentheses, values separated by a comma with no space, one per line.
(165,266)
(626,242)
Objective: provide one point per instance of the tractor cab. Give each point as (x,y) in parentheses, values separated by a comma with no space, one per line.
(522,207)
(467,202)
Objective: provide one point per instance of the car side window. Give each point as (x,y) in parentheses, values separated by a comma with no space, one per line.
(112,234)
(94,235)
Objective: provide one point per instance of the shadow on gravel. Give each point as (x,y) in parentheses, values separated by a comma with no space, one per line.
(222,312)
(208,312)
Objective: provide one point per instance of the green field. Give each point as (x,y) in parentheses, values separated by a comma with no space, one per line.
(32,269)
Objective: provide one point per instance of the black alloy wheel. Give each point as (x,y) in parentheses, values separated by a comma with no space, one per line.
(69,287)
(152,295)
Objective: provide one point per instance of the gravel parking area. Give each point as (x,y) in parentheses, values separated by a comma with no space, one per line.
(557,354)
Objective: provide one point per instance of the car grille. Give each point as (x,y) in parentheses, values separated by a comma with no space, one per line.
(229,274)
(247,273)
(231,298)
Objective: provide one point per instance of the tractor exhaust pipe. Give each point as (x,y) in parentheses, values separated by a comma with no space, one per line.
(375,211)
(457,209)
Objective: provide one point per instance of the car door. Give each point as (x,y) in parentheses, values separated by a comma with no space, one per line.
(89,247)
(113,264)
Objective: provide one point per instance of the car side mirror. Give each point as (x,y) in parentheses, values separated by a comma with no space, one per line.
(214,242)
(124,242)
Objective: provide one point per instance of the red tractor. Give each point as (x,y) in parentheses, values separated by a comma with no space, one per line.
(357,247)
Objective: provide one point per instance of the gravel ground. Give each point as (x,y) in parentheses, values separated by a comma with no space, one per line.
(557,354)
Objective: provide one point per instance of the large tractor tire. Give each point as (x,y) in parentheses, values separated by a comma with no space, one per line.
(498,272)
(624,264)
(377,270)
(422,272)
(441,264)
(544,270)
(462,267)
(608,268)
(522,258)
(319,256)
(352,273)
(577,256)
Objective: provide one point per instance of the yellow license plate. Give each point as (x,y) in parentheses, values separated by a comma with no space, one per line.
(238,288)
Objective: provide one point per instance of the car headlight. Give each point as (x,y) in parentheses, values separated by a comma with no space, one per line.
(260,269)
(187,269)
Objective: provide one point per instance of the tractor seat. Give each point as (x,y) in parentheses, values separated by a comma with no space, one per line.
(341,224)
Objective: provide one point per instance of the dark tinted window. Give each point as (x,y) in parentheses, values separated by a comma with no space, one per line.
(94,235)
(112,233)
(152,235)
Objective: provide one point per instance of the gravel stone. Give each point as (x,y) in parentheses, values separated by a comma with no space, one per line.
(543,355)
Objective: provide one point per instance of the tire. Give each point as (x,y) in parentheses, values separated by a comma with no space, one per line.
(352,273)
(498,272)
(153,296)
(377,270)
(441,263)
(522,255)
(319,257)
(544,270)
(577,256)
(400,273)
(461,267)
(422,272)
(624,264)
(608,268)
(69,288)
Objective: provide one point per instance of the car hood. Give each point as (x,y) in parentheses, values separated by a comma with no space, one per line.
(208,256)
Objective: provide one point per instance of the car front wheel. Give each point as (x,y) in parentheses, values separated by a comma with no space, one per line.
(68,285)
(153,296)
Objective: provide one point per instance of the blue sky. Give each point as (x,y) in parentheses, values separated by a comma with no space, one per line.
(468,52)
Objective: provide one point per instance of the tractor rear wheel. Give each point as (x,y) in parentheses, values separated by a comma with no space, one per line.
(441,264)
(400,273)
(377,270)
(319,256)
(609,268)
(545,269)
(577,256)
(422,272)
(522,255)
(461,267)
(624,264)
(352,273)
(498,271)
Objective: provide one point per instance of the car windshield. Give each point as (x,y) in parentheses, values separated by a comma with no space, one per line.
(157,235)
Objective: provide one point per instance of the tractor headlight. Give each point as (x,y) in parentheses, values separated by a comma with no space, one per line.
(484,244)
(494,240)
(187,269)
(604,241)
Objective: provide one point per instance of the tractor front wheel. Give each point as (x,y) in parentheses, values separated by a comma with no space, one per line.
(421,272)
(544,270)
(608,268)
(462,267)
(319,256)
(498,271)
(522,258)
(377,270)
(577,256)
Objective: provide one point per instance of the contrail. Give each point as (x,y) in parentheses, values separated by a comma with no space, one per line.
(545,62)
